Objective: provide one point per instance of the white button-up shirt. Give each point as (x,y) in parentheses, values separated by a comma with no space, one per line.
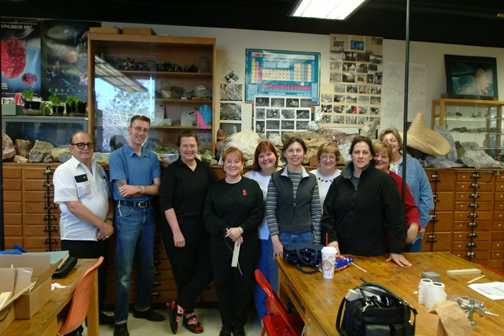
(73,181)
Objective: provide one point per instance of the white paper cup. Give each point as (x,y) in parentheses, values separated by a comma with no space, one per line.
(328,260)
(422,289)
(435,294)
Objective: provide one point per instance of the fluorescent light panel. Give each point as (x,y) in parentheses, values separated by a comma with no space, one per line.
(327,9)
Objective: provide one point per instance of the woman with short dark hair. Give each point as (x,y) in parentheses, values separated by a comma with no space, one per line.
(363,212)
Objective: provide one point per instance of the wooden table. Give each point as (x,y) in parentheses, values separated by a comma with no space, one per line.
(317,300)
(45,322)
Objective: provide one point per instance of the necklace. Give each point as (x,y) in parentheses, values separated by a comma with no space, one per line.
(325,179)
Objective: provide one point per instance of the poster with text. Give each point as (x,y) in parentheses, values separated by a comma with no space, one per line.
(282,73)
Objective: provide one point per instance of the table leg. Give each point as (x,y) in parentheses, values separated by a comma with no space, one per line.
(92,314)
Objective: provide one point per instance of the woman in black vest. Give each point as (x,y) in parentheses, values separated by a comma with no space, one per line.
(363,212)
(293,205)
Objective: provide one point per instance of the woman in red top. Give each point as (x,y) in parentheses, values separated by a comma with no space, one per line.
(383,153)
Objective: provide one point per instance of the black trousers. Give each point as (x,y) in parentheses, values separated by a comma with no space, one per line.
(234,285)
(191,263)
(90,249)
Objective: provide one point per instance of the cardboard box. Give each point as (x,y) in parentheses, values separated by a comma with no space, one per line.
(13,283)
(105,30)
(30,302)
(137,31)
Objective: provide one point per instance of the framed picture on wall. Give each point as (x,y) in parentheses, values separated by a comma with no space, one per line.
(471,77)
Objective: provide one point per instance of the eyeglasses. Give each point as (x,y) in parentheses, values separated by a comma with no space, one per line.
(82,145)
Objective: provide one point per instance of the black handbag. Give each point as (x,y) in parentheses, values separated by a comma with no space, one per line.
(305,256)
(373,310)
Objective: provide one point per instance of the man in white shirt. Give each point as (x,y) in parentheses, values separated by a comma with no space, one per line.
(82,192)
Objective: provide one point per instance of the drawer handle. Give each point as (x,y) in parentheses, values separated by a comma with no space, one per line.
(473,215)
(473,205)
(435,177)
(50,241)
(434,218)
(474,195)
(472,235)
(431,238)
(156,283)
(49,218)
(471,244)
(435,198)
(476,175)
(475,185)
(472,224)
(471,254)
(155,294)
(50,228)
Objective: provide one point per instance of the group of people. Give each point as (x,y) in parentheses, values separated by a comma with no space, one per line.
(221,231)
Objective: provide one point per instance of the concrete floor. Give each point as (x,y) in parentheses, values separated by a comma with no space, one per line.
(209,317)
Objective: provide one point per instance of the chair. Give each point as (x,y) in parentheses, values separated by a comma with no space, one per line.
(277,321)
(80,301)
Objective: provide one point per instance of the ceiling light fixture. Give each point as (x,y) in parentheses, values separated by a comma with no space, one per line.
(327,9)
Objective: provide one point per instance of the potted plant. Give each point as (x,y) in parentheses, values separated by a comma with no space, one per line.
(75,106)
(31,106)
(58,108)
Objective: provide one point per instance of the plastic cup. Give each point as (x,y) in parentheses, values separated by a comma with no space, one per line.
(328,260)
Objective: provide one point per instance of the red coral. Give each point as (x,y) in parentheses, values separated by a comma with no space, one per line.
(13,57)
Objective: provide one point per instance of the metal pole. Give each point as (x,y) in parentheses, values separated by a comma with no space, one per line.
(406,89)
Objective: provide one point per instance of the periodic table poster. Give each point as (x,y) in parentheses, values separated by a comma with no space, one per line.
(282,73)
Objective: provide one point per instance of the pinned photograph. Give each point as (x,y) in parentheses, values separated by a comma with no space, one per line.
(302,125)
(273,114)
(339,99)
(350,56)
(378,76)
(375,89)
(335,77)
(327,98)
(337,45)
(377,59)
(351,99)
(306,103)
(361,79)
(351,119)
(374,110)
(231,91)
(288,124)
(277,102)
(349,67)
(335,66)
(363,89)
(373,67)
(362,68)
(351,109)
(363,57)
(337,56)
(303,114)
(338,108)
(363,100)
(326,118)
(230,111)
(272,124)
(339,88)
(259,127)
(292,102)
(375,100)
(272,134)
(262,101)
(339,119)
(259,113)
(357,45)
(363,110)
(351,88)
(361,120)
(349,77)
(326,108)
(288,114)
(230,128)
(370,78)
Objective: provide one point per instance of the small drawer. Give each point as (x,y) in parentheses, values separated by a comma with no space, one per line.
(470,206)
(34,196)
(498,226)
(13,231)
(11,184)
(13,241)
(442,180)
(497,264)
(478,215)
(497,235)
(499,196)
(36,173)
(499,206)
(11,172)
(498,246)
(440,241)
(474,196)
(13,219)
(12,195)
(441,221)
(444,200)
(499,187)
(12,207)
(497,254)
(33,184)
(476,235)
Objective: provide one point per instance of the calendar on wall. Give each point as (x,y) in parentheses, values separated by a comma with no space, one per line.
(282,73)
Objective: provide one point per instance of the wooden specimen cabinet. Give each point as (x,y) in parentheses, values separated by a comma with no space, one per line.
(468,219)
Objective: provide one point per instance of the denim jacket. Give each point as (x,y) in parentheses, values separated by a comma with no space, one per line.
(420,187)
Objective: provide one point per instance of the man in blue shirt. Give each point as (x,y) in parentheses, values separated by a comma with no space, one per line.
(135,178)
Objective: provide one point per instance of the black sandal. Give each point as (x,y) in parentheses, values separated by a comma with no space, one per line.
(175,313)
(192,323)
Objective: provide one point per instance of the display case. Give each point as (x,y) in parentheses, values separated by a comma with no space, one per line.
(471,120)
(53,129)
(169,79)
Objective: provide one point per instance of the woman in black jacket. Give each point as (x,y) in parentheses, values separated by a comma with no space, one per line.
(363,212)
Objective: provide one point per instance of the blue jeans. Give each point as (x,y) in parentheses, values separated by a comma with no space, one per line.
(287,238)
(415,247)
(135,230)
(268,267)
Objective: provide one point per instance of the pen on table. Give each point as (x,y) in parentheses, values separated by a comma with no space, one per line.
(360,268)
(476,279)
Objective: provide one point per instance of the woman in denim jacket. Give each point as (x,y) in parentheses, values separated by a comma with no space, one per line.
(415,177)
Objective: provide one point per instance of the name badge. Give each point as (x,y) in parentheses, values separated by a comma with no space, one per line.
(81,178)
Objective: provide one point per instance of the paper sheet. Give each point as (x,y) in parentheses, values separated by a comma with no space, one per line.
(492,290)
